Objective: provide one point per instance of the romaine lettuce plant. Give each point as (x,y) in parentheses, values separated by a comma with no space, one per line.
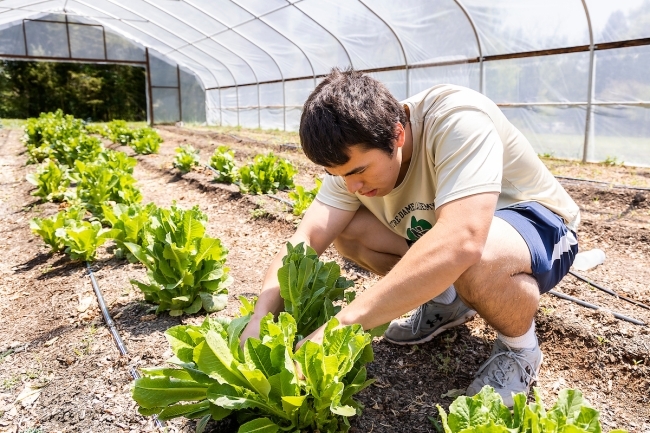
(145,141)
(186,158)
(47,228)
(485,412)
(98,183)
(302,197)
(186,269)
(310,287)
(82,238)
(119,132)
(129,222)
(260,382)
(266,175)
(51,181)
(223,161)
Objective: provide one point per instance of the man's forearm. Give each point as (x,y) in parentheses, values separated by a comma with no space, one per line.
(269,300)
(426,270)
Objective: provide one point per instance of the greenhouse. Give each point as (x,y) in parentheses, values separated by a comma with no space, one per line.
(571,75)
(324,216)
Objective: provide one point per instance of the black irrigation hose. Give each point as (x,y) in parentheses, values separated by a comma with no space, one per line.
(596,307)
(611,292)
(111,327)
(640,188)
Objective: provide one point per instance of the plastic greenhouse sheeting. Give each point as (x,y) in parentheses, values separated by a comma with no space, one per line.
(571,74)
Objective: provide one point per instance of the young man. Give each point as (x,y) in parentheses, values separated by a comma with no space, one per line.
(448,201)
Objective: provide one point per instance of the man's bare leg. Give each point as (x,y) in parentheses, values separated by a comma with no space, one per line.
(370,244)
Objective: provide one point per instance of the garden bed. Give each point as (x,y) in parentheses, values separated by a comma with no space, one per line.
(51,342)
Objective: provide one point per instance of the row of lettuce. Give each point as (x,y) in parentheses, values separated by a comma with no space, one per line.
(265,175)
(265,384)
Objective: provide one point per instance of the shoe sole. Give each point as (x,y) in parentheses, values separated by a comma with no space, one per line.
(469,315)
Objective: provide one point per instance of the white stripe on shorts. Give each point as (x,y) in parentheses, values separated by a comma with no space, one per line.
(563,245)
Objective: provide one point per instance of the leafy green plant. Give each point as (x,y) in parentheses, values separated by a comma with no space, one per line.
(82,238)
(98,183)
(266,175)
(119,132)
(80,148)
(95,128)
(485,412)
(129,222)
(612,161)
(145,141)
(310,287)
(47,228)
(223,161)
(51,181)
(260,383)
(302,197)
(49,127)
(185,268)
(186,158)
(116,161)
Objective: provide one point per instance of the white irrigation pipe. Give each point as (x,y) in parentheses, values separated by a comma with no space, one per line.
(113,330)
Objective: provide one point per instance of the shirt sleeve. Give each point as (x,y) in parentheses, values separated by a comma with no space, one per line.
(467,153)
(333,192)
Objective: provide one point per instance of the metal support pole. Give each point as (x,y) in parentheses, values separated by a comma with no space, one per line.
(585,149)
(67,32)
(149,92)
(180,103)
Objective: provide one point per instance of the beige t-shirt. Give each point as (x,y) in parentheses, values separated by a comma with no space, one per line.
(462,145)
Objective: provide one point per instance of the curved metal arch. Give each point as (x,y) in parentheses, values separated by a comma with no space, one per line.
(284,102)
(205,34)
(329,32)
(240,24)
(313,72)
(590,89)
(399,41)
(257,80)
(22,8)
(478,43)
(253,43)
(154,37)
(147,33)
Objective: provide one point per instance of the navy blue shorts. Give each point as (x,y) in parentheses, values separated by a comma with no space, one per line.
(552,245)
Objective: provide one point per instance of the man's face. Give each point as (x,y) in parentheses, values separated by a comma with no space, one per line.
(369,172)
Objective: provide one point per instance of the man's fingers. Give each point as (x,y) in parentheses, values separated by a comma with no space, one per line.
(299,373)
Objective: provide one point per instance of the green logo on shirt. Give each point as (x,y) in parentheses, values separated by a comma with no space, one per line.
(418,228)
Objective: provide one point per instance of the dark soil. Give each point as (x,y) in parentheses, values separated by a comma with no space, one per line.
(52,343)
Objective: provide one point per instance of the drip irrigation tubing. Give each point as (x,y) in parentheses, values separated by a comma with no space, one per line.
(596,307)
(113,330)
(613,185)
(611,292)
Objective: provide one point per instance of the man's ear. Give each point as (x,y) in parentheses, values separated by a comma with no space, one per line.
(400,135)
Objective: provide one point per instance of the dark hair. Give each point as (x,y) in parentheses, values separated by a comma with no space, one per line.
(348,108)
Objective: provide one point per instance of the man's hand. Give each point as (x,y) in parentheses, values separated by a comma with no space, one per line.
(316,337)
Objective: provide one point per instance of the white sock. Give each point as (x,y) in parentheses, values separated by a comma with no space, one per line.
(526,341)
(446,297)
